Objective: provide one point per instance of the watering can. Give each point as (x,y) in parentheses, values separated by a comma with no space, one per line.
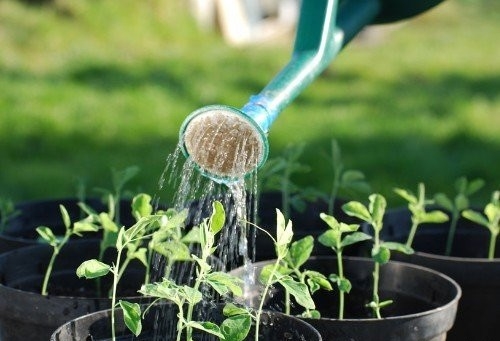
(227,143)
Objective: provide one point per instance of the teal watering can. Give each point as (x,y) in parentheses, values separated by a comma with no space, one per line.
(227,143)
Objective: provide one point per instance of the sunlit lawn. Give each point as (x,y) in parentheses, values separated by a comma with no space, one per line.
(93,85)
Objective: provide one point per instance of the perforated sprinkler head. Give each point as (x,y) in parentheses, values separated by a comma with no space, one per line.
(224,143)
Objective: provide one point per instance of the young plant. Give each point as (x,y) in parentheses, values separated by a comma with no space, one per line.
(455,206)
(381,251)
(419,215)
(7,212)
(128,242)
(185,297)
(334,239)
(277,175)
(490,220)
(347,179)
(285,270)
(79,227)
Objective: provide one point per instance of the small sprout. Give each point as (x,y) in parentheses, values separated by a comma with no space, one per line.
(337,237)
(347,179)
(381,251)
(464,189)
(490,220)
(8,212)
(417,205)
(57,244)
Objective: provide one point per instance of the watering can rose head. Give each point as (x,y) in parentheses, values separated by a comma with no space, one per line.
(223,142)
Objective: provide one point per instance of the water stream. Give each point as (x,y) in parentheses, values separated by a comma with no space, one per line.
(193,190)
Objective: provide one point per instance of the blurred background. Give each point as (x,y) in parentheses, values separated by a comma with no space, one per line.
(87,86)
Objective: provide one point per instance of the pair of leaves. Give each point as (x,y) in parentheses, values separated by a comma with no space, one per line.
(417,206)
(373,214)
(333,237)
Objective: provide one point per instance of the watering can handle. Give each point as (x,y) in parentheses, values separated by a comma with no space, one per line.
(324,28)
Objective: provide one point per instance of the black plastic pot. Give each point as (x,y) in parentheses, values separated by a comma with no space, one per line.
(21,231)
(160,322)
(424,308)
(479,278)
(27,315)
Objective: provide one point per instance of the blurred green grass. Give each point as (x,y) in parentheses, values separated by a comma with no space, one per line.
(87,86)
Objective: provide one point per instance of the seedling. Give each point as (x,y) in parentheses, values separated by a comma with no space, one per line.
(346,179)
(490,220)
(455,206)
(419,215)
(334,239)
(277,174)
(79,227)
(7,212)
(287,262)
(381,251)
(185,297)
(128,240)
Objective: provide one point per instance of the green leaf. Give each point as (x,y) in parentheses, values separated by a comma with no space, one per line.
(317,280)
(208,327)
(377,208)
(192,295)
(381,255)
(442,200)
(355,237)
(284,234)
(313,314)
(300,251)
(298,290)
(267,271)
(81,227)
(397,247)
(476,217)
(141,206)
(140,254)
(65,216)
(329,238)
(47,235)
(344,285)
(474,186)
(107,222)
(236,328)
(132,316)
(92,269)
(434,217)
(173,250)
(231,309)
(407,195)
(218,217)
(223,283)
(358,210)
(192,236)
(461,202)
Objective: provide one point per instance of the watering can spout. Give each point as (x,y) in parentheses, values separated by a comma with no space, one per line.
(227,143)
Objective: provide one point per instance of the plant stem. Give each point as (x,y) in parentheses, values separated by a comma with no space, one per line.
(413,231)
(116,278)
(341,292)
(376,299)
(199,279)
(264,294)
(180,322)
(56,251)
(451,232)
(491,249)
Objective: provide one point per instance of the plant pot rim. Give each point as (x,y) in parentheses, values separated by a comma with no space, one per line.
(107,312)
(452,302)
